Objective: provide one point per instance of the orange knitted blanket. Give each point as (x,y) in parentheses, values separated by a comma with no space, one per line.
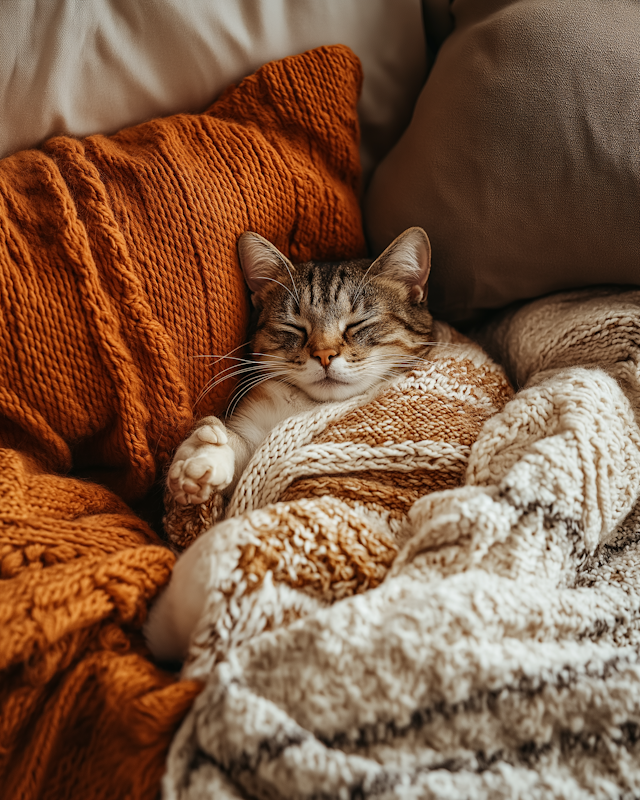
(118,269)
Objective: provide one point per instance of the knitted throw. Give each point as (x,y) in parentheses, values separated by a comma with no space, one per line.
(497,657)
(376,454)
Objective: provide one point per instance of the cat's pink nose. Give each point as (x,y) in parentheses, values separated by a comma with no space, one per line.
(325,356)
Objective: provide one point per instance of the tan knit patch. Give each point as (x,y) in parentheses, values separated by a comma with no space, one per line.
(447,401)
(405,412)
(328,549)
(184,524)
(412,439)
(385,491)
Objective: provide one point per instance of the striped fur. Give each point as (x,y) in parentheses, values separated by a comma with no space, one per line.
(371,314)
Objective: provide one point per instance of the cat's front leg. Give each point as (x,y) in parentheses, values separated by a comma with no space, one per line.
(205,462)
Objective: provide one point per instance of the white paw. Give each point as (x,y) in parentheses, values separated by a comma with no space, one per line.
(203,463)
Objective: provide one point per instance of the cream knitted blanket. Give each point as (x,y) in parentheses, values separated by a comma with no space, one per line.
(498,656)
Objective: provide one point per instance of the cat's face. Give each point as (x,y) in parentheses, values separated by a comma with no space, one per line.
(336,329)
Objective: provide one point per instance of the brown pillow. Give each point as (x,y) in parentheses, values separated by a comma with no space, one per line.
(522,161)
(119,268)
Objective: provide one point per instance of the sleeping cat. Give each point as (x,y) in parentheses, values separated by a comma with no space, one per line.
(324,332)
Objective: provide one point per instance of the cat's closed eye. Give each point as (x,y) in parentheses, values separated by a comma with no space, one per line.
(297,330)
(359,325)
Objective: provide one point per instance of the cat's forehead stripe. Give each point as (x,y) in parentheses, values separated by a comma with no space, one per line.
(330,296)
(330,286)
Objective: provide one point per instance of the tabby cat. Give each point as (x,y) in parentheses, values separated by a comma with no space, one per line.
(324,332)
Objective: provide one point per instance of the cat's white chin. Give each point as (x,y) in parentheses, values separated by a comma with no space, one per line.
(339,382)
(329,389)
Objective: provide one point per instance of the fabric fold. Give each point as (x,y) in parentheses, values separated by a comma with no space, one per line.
(498,657)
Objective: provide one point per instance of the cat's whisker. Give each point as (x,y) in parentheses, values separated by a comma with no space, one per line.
(252,362)
(245,360)
(245,365)
(400,363)
(241,369)
(246,381)
(295,299)
(261,369)
(227,355)
(384,369)
(444,344)
(293,283)
(270,355)
(237,358)
(246,385)
(361,288)
(406,361)
(232,406)
(239,362)
(245,388)
(233,371)
(241,366)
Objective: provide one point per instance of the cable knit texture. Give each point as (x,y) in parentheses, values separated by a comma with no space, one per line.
(118,268)
(118,260)
(497,657)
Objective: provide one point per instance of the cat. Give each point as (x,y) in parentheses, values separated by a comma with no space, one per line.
(324,332)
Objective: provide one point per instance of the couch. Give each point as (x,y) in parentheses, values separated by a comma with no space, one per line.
(483,641)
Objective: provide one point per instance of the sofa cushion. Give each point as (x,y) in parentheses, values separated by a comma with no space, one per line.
(94,67)
(118,260)
(522,160)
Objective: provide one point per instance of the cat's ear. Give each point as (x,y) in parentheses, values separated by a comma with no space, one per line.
(261,261)
(408,260)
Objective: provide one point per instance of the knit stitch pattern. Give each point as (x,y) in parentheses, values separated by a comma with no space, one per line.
(118,267)
(319,512)
(498,657)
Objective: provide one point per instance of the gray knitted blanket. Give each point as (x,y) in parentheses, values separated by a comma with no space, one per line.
(498,658)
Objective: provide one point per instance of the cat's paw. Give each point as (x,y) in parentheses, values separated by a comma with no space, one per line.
(203,463)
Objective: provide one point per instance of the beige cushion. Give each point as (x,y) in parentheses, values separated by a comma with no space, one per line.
(89,66)
(522,161)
